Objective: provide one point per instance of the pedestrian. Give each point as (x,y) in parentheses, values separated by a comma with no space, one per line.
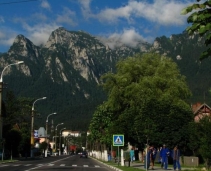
(147,158)
(132,155)
(176,156)
(153,153)
(164,154)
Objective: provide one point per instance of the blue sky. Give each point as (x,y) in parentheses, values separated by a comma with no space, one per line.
(126,21)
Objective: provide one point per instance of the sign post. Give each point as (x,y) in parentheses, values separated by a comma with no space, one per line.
(118,140)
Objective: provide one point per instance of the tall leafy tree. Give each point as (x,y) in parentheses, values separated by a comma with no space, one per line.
(204,128)
(100,125)
(147,97)
(200,18)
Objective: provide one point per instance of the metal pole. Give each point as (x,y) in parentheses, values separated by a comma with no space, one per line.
(32,133)
(1,87)
(1,118)
(118,155)
(60,134)
(56,141)
(32,126)
(60,143)
(146,158)
(46,131)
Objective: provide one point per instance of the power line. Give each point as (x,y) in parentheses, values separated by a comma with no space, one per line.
(16,2)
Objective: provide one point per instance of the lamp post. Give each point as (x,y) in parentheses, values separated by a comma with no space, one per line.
(46,137)
(68,138)
(60,133)
(56,135)
(1,87)
(47,123)
(32,125)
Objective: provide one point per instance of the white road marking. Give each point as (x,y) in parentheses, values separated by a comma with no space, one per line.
(4,165)
(86,166)
(74,165)
(62,164)
(97,166)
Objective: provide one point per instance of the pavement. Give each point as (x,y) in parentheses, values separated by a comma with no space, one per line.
(157,167)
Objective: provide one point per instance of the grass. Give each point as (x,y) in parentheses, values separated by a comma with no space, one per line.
(7,161)
(124,168)
(131,168)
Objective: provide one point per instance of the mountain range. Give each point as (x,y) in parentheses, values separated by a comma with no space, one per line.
(67,70)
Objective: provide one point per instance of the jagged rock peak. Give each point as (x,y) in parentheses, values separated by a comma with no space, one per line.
(21,39)
(23,47)
(68,39)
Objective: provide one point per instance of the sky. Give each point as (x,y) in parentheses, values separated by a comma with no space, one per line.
(125,21)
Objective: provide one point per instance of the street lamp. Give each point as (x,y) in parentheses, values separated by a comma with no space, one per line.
(47,123)
(32,125)
(56,135)
(1,87)
(46,137)
(60,133)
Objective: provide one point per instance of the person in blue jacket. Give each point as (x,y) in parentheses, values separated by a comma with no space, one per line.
(175,156)
(164,154)
(132,155)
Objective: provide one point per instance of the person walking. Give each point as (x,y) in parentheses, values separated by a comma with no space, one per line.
(147,158)
(153,153)
(164,154)
(176,157)
(132,155)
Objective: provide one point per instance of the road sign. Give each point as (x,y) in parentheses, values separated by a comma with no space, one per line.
(35,133)
(118,140)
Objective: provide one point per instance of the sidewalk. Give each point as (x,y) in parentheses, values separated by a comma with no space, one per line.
(157,167)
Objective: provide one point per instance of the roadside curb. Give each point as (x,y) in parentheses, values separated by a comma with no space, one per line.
(112,167)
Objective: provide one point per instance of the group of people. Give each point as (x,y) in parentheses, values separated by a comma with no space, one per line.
(164,154)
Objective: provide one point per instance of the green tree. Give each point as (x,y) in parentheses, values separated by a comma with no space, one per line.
(147,97)
(99,126)
(17,123)
(204,128)
(13,140)
(200,18)
(194,139)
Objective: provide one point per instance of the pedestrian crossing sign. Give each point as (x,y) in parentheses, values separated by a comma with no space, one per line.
(118,140)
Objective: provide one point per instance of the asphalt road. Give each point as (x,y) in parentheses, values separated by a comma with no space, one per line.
(56,163)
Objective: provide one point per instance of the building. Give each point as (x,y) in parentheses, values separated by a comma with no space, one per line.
(200,110)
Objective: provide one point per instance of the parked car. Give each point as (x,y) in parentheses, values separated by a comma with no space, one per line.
(83,154)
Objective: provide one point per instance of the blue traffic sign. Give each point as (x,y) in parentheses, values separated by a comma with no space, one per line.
(118,140)
(35,133)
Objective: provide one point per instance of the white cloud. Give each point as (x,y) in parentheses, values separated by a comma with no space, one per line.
(40,33)
(45,4)
(85,8)
(129,37)
(7,37)
(66,17)
(40,17)
(163,12)
(113,15)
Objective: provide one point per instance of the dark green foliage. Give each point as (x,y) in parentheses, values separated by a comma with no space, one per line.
(147,102)
(200,18)
(200,140)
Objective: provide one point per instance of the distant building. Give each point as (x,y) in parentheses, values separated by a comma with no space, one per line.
(200,110)
(66,133)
